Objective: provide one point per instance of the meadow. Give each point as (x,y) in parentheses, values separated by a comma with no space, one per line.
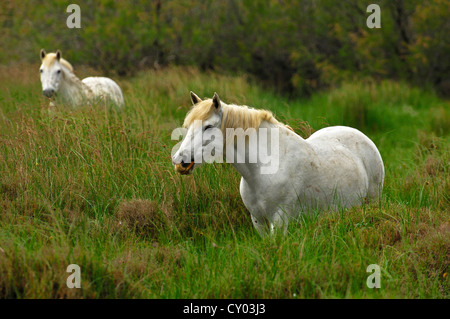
(95,186)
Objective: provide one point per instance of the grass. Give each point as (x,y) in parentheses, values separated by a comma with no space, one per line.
(96,187)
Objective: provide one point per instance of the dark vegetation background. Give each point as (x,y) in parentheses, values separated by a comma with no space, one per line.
(297,47)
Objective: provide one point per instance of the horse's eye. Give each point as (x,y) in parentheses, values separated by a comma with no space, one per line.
(208,127)
(59,71)
(41,70)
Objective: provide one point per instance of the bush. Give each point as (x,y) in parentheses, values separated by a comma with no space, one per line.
(297,47)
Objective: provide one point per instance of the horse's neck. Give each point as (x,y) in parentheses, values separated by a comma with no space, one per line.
(73,89)
(280,148)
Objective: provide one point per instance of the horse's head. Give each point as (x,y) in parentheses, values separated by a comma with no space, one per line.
(52,72)
(202,122)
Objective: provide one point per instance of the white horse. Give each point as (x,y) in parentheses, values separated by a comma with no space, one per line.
(336,167)
(57,78)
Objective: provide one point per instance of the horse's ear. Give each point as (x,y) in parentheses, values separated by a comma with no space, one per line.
(43,54)
(216,101)
(58,55)
(194,98)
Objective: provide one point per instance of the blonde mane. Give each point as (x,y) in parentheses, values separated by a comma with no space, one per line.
(50,58)
(234,116)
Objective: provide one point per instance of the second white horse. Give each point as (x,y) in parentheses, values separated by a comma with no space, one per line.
(58,79)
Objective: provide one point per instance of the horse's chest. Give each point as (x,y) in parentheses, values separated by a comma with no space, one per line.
(264,198)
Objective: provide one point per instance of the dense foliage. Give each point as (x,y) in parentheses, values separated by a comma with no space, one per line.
(297,47)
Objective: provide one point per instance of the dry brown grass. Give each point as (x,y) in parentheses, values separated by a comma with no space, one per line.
(146,217)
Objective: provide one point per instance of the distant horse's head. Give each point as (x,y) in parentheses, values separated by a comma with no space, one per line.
(205,118)
(52,72)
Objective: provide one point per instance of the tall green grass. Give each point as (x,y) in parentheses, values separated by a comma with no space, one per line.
(96,187)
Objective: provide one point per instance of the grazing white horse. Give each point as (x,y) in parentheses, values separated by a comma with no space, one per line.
(57,78)
(336,167)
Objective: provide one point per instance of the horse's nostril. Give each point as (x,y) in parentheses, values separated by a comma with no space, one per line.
(48,92)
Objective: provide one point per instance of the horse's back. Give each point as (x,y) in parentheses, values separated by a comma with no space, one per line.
(358,144)
(103,86)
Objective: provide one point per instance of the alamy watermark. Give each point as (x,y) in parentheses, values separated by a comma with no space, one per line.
(374,20)
(374,280)
(250,146)
(74,280)
(74,19)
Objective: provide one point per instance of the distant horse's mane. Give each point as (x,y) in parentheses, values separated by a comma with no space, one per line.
(51,58)
(234,116)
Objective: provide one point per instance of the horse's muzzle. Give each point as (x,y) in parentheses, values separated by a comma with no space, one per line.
(185,168)
(186,165)
(48,92)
